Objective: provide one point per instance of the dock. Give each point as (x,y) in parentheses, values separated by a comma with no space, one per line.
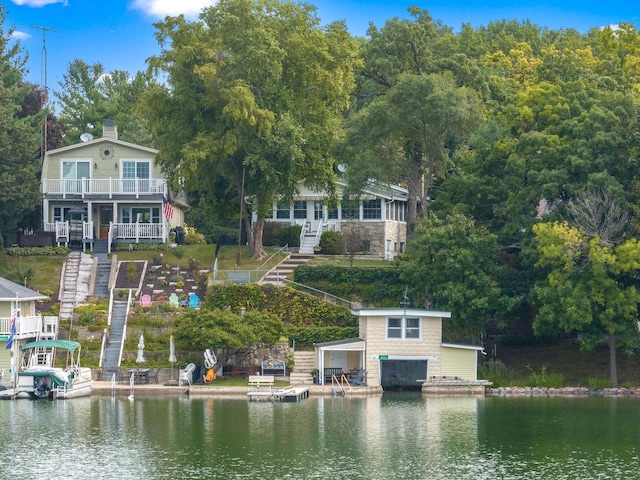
(290,394)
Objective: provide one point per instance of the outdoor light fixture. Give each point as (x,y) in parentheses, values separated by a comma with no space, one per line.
(115,165)
(95,165)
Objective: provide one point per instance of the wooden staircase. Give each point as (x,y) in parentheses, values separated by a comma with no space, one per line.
(304,364)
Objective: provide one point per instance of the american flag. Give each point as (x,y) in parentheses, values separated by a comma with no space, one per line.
(14,314)
(168,209)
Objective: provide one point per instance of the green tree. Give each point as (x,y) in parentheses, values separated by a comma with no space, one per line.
(589,288)
(453,266)
(255,91)
(20,138)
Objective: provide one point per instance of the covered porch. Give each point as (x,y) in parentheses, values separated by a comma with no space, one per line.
(340,357)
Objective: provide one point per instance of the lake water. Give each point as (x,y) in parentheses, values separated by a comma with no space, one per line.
(402,436)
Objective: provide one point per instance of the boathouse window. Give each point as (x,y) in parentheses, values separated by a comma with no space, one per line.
(403,327)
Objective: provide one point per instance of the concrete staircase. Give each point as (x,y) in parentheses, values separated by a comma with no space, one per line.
(308,244)
(284,269)
(116,337)
(304,363)
(103,270)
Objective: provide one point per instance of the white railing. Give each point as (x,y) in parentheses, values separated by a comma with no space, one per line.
(25,326)
(139,231)
(106,186)
(61,230)
(87,230)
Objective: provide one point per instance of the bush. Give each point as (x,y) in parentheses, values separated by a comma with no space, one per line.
(495,372)
(596,382)
(290,235)
(309,335)
(544,379)
(35,251)
(332,243)
(271,234)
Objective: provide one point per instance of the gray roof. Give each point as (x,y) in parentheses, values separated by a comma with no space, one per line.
(10,291)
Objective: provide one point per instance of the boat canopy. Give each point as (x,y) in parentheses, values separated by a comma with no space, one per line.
(65,344)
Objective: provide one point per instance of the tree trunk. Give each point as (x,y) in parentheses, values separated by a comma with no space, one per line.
(258,248)
(613,361)
(414,186)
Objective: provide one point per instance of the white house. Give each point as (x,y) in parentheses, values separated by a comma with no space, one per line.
(379,215)
(106,188)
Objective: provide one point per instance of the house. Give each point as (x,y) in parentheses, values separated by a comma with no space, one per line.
(379,215)
(107,189)
(400,348)
(19,304)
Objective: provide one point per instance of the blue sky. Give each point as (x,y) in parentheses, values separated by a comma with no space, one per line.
(120,33)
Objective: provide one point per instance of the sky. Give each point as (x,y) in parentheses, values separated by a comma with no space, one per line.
(120,33)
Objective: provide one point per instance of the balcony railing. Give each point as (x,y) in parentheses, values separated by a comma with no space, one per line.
(27,326)
(109,187)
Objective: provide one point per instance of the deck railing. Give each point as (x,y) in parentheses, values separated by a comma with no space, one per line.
(25,326)
(105,187)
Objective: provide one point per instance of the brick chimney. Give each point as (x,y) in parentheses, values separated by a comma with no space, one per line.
(110,130)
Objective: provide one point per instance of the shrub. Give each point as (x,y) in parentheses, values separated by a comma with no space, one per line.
(192,237)
(157,258)
(596,382)
(194,264)
(495,372)
(332,243)
(131,270)
(35,251)
(544,379)
(290,235)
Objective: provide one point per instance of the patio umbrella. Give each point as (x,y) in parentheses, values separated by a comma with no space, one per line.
(172,354)
(140,358)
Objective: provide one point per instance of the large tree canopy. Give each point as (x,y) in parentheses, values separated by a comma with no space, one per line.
(20,138)
(587,287)
(255,92)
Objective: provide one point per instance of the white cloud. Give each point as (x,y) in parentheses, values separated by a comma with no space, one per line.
(39,3)
(163,8)
(17,35)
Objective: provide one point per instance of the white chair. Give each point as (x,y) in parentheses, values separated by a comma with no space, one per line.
(186,374)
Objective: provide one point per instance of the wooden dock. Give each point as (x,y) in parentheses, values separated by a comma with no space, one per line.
(290,394)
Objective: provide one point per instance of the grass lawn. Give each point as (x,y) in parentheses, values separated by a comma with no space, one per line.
(241,382)
(42,272)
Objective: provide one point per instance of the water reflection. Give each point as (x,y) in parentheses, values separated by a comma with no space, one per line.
(393,436)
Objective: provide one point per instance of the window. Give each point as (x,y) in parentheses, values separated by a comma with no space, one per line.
(350,210)
(72,173)
(317,210)
(300,209)
(283,211)
(403,328)
(132,171)
(140,215)
(332,213)
(372,209)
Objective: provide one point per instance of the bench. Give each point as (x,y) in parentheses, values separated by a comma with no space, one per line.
(330,372)
(275,367)
(257,381)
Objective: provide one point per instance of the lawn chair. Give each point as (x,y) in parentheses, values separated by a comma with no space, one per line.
(357,378)
(145,300)
(174,301)
(194,301)
(186,375)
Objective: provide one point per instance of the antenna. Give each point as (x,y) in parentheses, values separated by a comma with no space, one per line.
(44,82)
(85,137)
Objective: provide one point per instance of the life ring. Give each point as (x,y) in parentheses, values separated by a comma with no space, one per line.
(209,359)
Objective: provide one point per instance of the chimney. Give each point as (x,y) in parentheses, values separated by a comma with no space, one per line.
(110,130)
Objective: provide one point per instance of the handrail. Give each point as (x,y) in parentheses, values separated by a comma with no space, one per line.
(326,296)
(285,248)
(302,231)
(340,384)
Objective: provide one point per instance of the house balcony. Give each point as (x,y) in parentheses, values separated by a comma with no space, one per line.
(26,327)
(105,188)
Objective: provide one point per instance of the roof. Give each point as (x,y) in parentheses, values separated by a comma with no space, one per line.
(380,189)
(390,312)
(10,291)
(97,141)
(336,343)
(464,347)
(65,344)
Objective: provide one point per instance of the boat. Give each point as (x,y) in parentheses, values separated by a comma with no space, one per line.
(39,378)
